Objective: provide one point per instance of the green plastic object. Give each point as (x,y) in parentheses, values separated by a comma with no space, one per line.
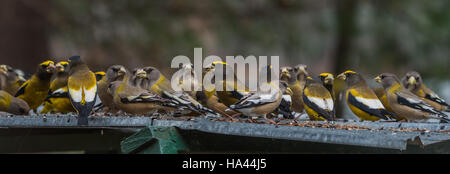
(154,140)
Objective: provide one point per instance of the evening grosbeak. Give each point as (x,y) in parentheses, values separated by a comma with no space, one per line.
(10,81)
(362,100)
(231,92)
(317,100)
(151,79)
(404,103)
(263,101)
(285,107)
(82,87)
(113,73)
(13,105)
(136,100)
(58,100)
(414,83)
(327,80)
(35,90)
(209,99)
(296,79)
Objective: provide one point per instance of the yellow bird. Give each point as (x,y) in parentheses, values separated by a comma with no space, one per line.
(296,79)
(58,100)
(405,103)
(414,83)
(10,81)
(35,90)
(13,105)
(113,73)
(328,82)
(231,92)
(261,102)
(82,87)
(363,102)
(136,100)
(210,100)
(318,102)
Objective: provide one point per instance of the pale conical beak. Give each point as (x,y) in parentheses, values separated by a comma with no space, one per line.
(412,80)
(341,76)
(289,91)
(141,74)
(377,79)
(3,69)
(329,80)
(121,72)
(50,68)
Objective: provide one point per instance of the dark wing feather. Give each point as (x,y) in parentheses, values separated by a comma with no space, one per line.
(320,111)
(21,90)
(381,113)
(436,99)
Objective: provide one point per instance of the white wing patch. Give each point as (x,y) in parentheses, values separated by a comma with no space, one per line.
(325,104)
(60,91)
(287,98)
(76,95)
(90,94)
(371,103)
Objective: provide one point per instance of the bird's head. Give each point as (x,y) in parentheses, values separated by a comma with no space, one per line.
(99,75)
(387,80)
(327,78)
(301,69)
(285,72)
(412,79)
(62,66)
(139,73)
(351,77)
(115,72)
(4,69)
(284,88)
(47,66)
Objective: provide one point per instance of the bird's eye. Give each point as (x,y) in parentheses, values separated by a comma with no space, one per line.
(110,85)
(43,66)
(115,69)
(417,78)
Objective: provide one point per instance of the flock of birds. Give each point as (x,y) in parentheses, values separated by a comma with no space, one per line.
(70,86)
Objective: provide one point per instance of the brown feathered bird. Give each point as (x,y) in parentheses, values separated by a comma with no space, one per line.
(414,83)
(406,104)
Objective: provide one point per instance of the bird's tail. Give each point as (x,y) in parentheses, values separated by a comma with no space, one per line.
(83,118)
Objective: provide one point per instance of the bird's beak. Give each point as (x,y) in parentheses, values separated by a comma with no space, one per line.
(377,79)
(285,73)
(412,80)
(141,74)
(289,91)
(50,68)
(303,70)
(329,79)
(3,69)
(342,76)
(121,71)
(59,68)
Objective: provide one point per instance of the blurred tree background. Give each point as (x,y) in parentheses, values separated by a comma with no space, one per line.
(328,35)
